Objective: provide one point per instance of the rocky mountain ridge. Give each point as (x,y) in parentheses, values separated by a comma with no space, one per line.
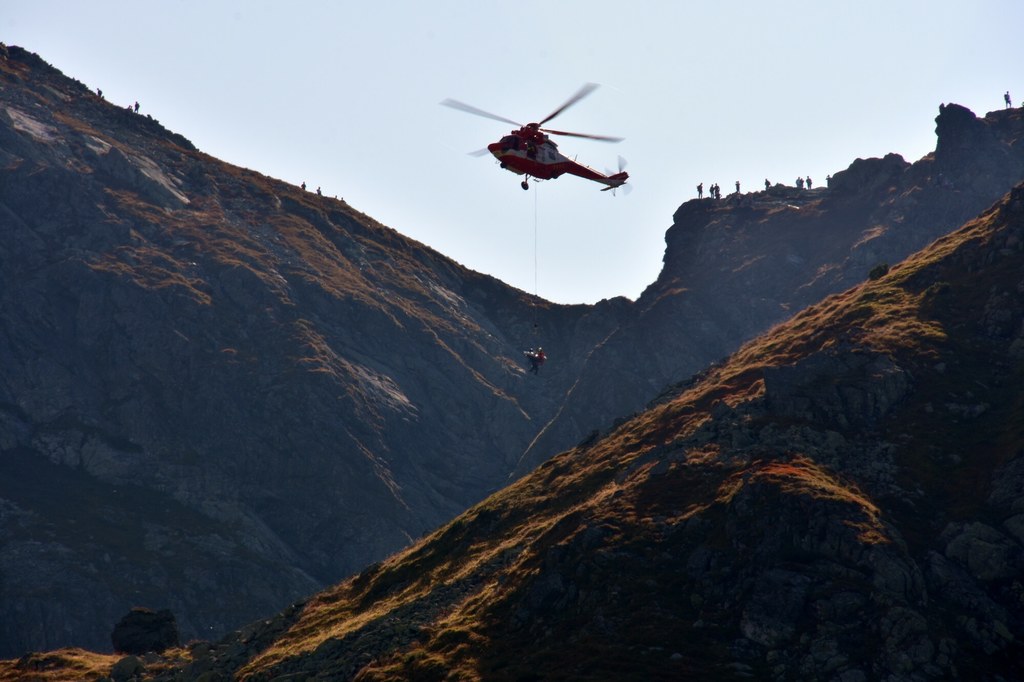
(734,267)
(219,393)
(841,499)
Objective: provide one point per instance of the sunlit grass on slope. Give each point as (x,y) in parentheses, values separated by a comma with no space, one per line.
(802,476)
(495,546)
(270,237)
(76,664)
(55,666)
(895,314)
(461,554)
(270,232)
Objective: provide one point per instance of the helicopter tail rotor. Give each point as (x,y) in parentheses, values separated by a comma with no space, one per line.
(618,180)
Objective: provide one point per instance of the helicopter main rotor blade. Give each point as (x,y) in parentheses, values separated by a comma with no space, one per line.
(601,138)
(469,109)
(580,94)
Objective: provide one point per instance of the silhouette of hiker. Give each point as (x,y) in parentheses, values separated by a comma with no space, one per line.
(767,185)
(737,187)
(303,185)
(800,183)
(318,192)
(136,107)
(808,182)
(700,191)
(1006,98)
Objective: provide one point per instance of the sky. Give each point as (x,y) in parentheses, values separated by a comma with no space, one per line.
(345,96)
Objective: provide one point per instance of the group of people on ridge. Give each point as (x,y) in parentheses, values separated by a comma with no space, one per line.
(715,192)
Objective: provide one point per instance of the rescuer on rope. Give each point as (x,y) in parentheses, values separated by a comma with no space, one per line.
(536,358)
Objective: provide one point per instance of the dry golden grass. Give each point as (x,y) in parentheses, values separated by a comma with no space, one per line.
(63,665)
(496,547)
(449,556)
(153,269)
(74,665)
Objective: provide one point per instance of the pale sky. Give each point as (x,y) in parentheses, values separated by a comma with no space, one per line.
(345,96)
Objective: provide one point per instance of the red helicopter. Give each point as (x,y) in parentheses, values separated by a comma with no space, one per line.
(529,151)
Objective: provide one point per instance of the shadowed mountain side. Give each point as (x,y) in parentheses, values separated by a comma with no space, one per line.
(840,499)
(734,267)
(218,392)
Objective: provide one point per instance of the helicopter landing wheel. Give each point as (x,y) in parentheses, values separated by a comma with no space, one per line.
(524,184)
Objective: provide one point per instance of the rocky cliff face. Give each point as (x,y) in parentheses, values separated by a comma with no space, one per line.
(219,392)
(842,499)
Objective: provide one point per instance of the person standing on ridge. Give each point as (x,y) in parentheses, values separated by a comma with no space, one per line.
(700,191)
(767,185)
(1006,98)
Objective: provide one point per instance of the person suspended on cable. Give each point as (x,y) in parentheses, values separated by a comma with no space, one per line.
(536,358)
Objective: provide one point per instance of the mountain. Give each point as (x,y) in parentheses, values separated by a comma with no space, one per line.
(841,499)
(220,393)
(732,268)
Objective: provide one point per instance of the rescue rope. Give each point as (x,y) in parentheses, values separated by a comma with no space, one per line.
(535,239)
(533,304)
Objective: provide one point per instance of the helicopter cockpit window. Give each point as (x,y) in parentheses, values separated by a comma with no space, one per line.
(509,142)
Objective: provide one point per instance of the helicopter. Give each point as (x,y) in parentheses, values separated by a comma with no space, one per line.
(530,152)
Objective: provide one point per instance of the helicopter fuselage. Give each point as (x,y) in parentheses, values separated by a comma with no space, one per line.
(529,152)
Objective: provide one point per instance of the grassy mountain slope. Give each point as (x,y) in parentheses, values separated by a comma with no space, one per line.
(841,499)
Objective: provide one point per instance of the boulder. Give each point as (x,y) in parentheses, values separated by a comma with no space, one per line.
(867,176)
(985,552)
(143,630)
(128,668)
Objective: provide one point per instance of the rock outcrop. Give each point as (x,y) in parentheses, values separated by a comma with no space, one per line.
(142,631)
